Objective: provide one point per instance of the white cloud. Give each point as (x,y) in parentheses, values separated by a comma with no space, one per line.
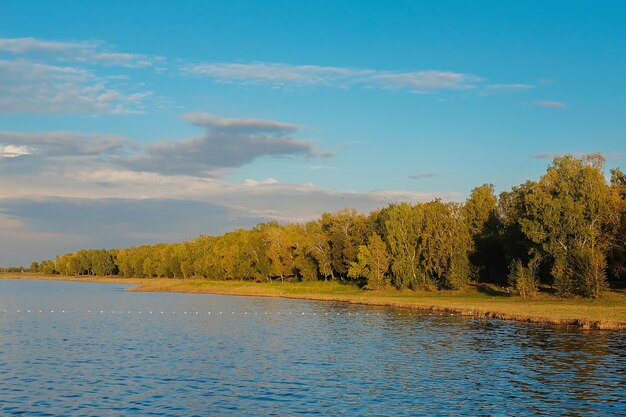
(552,155)
(422,175)
(62,144)
(253,183)
(550,103)
(73,191)
(544,155)
(508,87)
(12,151)
(284,75)
(225,144)
(103,181)
(91,52)
(81,204)
(63,77)
(29,87)
(241,125)
(29,45)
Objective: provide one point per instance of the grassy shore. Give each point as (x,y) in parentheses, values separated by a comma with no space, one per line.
(482,301)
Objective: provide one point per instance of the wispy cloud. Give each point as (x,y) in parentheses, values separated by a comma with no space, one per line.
(241,125)
(90,52)
(29,45)
(423,175)
(30,87)
(552,155)
(67,77)
(286,75)
(544,155)
(504,88)
(549,103)
(62,144)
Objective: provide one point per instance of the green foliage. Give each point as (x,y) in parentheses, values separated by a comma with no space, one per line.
(445,245)
(512,208)
(318,247)
(429,244)
(480,208)
(481,214)
(372,264)
(84,262)
(47,267)
(522,279)
(565,215)
(616,233)
(346,231)
(403,233)
(581,273)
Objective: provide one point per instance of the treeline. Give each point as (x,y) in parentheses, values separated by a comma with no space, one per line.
(566,230)
(19,269)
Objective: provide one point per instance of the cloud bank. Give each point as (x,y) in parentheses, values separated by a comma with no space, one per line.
(61,191)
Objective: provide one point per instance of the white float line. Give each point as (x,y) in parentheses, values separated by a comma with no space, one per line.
(213,313)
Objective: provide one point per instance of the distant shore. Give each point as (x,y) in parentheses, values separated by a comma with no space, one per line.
(479,300)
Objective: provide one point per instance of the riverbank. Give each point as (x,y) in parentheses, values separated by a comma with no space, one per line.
(481,301)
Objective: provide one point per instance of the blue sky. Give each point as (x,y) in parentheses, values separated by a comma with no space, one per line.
(134,122)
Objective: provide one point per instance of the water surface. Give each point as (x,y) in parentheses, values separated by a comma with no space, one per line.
(74,349)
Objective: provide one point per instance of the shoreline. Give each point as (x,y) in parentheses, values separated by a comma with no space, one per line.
(479,301)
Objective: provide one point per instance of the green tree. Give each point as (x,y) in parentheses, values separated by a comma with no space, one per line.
(319,249)
(372,264)
(616,259)
(403,230)
(481,214)
(522,279)
(279,250)
(566,214)
(47,267)
(444,245)
(346,231)
(103,262)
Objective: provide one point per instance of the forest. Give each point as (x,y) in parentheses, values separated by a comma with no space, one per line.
(565,231)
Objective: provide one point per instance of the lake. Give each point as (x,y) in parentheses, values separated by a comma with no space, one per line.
(74,349)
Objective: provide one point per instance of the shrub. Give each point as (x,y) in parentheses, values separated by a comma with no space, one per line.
(522,279)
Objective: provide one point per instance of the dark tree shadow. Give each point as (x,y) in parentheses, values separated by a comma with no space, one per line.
(491,291)
(545,289)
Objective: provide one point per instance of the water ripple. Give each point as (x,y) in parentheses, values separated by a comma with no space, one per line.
(362,361)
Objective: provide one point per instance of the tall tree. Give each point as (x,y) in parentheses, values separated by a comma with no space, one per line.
(403,230)
(444,245)
(319,249)
(279,250)
(566,214)
(481,214)
(346,231)
(372,264)
(617,233)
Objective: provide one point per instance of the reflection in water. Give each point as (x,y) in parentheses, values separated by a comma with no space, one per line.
(333,359)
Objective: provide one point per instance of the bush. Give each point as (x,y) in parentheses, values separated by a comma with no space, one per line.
(522,279)
(459,272)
